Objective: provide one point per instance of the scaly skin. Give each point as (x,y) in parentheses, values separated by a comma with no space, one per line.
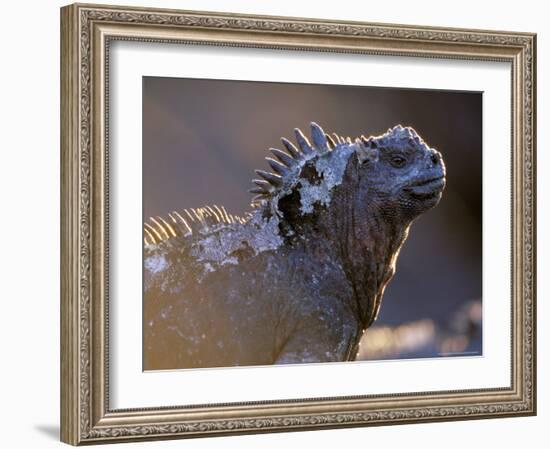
(302,276)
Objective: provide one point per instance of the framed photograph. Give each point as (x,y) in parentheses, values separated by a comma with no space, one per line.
(278,224)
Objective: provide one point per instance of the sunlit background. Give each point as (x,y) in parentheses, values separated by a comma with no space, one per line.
(202,140)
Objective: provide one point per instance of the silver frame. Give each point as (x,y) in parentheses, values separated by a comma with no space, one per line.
(87,31)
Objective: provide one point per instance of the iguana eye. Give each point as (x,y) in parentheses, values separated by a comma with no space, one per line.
(398,161)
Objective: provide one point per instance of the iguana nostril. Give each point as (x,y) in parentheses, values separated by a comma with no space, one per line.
(435,158)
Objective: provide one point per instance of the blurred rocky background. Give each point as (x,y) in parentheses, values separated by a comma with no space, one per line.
(202,140)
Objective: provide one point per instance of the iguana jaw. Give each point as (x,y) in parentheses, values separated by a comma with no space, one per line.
(427,189)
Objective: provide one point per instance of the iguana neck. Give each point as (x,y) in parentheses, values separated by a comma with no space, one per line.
(372,248)
(366,243)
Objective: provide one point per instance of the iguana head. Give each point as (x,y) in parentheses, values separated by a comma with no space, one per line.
(396,174)
(399,172)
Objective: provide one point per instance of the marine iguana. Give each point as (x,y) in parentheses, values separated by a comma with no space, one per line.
(300,277)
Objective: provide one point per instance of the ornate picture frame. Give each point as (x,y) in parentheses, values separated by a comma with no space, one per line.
(87,31)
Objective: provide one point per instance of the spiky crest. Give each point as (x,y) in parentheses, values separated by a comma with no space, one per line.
(288,165)
(159,229)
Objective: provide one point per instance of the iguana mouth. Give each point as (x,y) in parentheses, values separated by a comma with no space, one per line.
(427,181)
(427,188)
